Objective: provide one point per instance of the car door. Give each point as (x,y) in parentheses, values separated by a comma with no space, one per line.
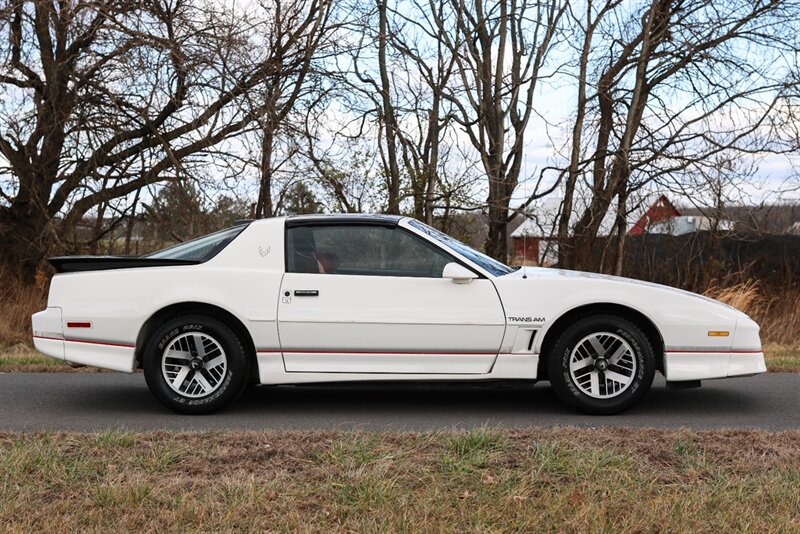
(370,298)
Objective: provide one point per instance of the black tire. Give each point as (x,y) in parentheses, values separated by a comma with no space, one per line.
(228,383)
(638,364)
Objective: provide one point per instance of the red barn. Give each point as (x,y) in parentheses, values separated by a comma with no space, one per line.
(662,210)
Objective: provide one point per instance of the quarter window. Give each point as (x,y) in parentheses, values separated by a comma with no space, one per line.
(362,250)
(200,249)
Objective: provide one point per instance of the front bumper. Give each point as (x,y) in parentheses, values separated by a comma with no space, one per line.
(743,357)
(684,365)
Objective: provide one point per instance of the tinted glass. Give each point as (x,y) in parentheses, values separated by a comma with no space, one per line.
(200,249)
(363,250)
(490,264)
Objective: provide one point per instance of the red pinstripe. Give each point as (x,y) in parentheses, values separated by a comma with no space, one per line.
(125,346)
(715,351)
(370,352)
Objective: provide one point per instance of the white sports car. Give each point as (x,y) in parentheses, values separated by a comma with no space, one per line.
(329,298)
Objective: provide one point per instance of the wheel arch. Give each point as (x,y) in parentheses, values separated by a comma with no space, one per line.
(185,308)
(638,318)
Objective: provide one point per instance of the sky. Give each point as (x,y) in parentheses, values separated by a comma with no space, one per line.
(554,104)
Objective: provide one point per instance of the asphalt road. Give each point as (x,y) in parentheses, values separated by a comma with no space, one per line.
(90,402)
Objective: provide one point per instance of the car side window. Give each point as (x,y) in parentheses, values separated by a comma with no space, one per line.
(362,250)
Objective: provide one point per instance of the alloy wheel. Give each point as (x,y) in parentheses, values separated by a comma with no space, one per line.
(602,365)
(194,364)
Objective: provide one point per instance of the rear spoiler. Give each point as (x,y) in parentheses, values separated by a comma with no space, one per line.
(72,264)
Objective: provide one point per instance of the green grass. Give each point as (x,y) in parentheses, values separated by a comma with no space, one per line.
(558,480)
(24,358)
(784,358)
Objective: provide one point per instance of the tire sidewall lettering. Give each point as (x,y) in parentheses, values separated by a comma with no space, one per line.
(567,390)
(235,375)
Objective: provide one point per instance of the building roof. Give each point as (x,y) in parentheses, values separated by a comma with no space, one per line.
(530,228)
(660,211)
(541,221)
(687,224)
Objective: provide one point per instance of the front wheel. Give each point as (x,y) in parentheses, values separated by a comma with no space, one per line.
(195,364)
(602,364)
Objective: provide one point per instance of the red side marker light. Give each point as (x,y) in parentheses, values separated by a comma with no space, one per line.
(79,325)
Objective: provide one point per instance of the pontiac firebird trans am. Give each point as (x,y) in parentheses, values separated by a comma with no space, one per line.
(370,297)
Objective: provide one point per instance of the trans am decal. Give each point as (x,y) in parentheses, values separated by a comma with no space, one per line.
(525,319)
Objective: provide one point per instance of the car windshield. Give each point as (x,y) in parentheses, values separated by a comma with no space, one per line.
(200,249)
(491,265)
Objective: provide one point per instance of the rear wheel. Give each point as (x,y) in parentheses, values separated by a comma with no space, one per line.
(602,364)
(195,364)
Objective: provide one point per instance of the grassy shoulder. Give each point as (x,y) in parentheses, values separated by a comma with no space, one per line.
(23,358)
(782,358)
(565,480)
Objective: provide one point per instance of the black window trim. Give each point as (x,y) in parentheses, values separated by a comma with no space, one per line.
(241,225)
(352,221)
(71,264)
(438,243)
(389,221)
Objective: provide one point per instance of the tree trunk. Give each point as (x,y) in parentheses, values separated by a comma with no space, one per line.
(392,170)
(22,232)
(496,242)
(131,223)
(264,204)
(622,229)
(23,225)
(433,160)
(565,253)
(98,228)
(496,239)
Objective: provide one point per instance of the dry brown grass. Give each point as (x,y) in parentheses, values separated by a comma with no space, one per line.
(777,313)
(18,302)
(741,296)
(557,480)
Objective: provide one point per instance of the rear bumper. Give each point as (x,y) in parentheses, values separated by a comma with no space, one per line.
(49,339)
(48,336)
(680,365)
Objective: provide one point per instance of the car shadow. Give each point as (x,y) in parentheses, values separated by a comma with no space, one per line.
(400,406)
(434,405)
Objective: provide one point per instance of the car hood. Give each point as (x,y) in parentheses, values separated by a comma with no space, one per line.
(546,292)
(540,273)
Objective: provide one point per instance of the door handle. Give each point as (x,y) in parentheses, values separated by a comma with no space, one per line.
(306,293)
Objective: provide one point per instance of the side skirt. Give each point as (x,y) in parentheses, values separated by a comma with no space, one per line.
(506,367)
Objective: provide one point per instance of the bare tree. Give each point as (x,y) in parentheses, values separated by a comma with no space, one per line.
(368,70)
(337,159)
(675,84)
(296,32)
(429,67)
(102,98)
(500,50)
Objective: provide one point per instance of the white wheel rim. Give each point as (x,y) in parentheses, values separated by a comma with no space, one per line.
(194,365)
(602,365)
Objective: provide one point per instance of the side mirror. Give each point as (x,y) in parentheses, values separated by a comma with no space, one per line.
(458,273)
